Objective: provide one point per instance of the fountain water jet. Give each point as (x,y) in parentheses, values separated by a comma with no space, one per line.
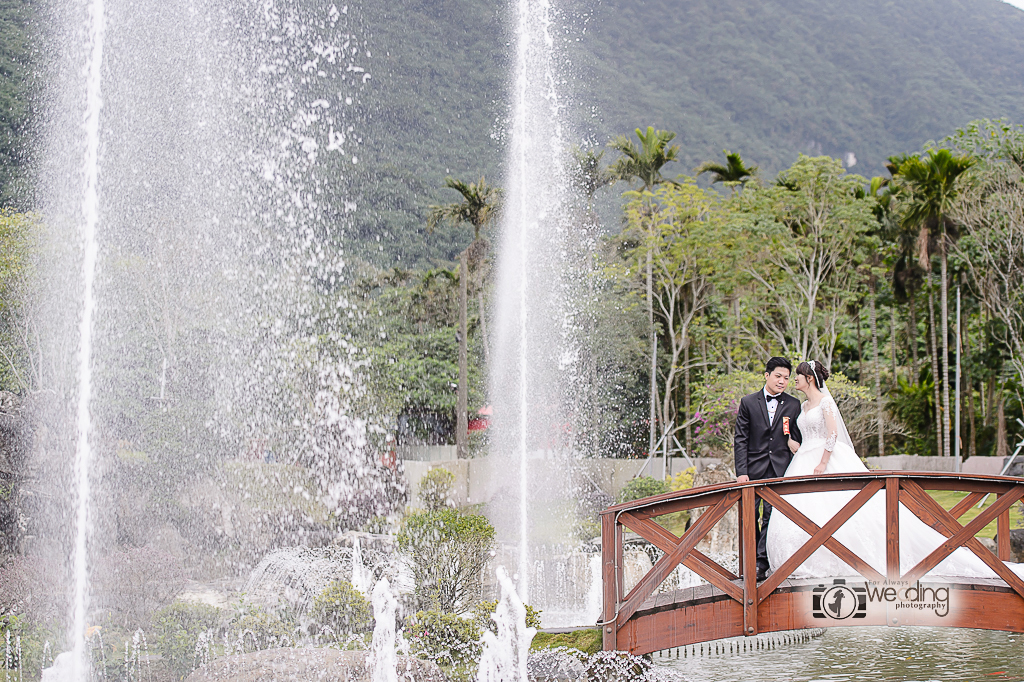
(530,340)
(506,653)
(90,219)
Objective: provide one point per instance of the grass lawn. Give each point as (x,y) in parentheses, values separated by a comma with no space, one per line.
(949,499)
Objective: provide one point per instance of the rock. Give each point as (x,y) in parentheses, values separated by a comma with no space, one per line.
(553,665)
(309,665)
(1016,544)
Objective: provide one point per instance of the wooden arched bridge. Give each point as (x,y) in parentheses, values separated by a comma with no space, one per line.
(646,620)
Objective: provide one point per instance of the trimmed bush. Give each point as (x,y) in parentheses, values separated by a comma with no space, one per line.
(342,608)
(436,489)
(641,487)
(449,552)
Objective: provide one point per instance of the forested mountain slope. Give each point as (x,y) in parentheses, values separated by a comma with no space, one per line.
(766,78)
(769,79)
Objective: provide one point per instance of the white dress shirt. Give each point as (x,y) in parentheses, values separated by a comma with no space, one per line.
(773,404)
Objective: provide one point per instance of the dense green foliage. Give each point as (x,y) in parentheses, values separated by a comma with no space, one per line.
(177,629)
(17,94)
(18,243)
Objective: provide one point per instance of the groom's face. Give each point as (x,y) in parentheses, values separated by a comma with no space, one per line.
(777,380)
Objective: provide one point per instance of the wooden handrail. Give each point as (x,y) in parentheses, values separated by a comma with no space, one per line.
(908,490)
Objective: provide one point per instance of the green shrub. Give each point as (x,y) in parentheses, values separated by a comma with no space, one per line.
(32,638)
(483,611)
(256,629)
(641,487)
(449,550)
(178,627)
(342,608)
(436,489)
(451,641)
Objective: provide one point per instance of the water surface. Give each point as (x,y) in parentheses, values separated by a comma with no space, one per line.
(866,654)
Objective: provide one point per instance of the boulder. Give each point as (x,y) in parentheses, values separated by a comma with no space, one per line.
(1016,544)
(309,665)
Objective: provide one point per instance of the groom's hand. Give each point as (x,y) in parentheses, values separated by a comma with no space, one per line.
(743,479)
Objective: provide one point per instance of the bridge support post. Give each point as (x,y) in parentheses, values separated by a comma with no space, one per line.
(892,528)
(611,541)
(748,565)
(1003,535)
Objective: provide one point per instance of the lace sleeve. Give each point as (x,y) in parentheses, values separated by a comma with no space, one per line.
(828,410)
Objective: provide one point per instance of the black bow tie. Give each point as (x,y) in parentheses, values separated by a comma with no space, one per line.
(773,397)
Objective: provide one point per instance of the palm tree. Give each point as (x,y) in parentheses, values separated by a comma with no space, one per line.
(643,163)
(480,205)
(908,278)
(734,169)
(931,182)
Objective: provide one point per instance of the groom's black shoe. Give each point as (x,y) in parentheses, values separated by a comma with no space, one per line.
(762,574)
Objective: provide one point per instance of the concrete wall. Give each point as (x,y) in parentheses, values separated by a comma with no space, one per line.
(974,465)
(426,453)
(474,478)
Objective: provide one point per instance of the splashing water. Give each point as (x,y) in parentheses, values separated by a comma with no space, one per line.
(506,653)
(383,659)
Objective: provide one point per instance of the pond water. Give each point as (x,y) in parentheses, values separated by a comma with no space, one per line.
(867,654)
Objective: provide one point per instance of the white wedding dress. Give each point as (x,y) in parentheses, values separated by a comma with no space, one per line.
(822,428)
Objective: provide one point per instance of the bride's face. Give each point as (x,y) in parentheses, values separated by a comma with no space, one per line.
(801,383)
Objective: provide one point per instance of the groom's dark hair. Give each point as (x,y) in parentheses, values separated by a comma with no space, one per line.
(775,363)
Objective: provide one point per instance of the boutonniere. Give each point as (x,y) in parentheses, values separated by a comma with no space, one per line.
(785,425)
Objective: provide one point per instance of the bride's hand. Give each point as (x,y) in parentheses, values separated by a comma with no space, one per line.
(820,469)
(793,446)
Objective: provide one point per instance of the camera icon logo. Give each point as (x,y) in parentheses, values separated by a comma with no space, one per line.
(840,601)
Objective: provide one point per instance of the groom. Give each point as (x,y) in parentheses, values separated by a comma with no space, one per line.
(761,445)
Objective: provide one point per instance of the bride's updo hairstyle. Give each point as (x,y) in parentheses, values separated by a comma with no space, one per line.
(815,371)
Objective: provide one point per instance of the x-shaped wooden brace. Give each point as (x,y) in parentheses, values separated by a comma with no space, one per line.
(696,561)
(820,536)
(931,512)
(680,550)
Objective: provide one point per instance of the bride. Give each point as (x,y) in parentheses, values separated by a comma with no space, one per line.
(828,449)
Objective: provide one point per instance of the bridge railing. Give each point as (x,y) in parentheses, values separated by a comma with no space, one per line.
(899,488)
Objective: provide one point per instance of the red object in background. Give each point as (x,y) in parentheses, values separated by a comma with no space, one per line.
(785,425)
(389,459)
(482,422)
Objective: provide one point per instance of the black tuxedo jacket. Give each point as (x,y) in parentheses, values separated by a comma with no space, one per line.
(758,443)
